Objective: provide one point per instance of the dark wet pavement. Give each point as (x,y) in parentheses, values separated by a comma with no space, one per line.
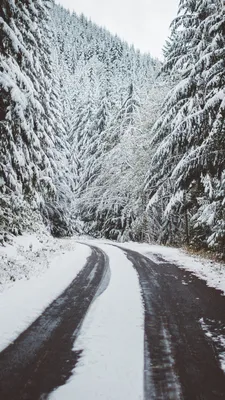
(42,357)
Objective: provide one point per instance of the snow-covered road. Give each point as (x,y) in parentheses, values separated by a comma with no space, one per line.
(42,357)
(122,326)
(24,301)
(112,339)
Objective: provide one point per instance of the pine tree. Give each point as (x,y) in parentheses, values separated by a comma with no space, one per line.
(71,95)
(189,137)
(25,166)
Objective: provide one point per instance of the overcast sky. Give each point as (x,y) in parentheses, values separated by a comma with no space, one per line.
(144,23)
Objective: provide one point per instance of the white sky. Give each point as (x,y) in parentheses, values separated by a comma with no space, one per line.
(144,23)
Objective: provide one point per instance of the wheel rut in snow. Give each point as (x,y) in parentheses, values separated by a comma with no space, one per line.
(42,357)
(181,360)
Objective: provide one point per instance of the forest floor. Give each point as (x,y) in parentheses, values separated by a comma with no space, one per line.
(132,320)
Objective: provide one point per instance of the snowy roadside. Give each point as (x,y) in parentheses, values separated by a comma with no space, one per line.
(33,272)
(27,256)
(112,340)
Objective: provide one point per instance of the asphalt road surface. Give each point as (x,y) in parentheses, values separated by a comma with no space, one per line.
(184,320)
(181,360)
(41,358)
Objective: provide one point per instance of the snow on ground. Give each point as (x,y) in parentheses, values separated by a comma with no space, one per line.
(219,340)
(35,270)
(112,336)
(41,268)
(210,271)
(26,256)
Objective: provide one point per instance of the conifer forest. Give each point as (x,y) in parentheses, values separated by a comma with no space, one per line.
(99,139)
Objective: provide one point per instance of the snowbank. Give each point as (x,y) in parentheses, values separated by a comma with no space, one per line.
(26,256)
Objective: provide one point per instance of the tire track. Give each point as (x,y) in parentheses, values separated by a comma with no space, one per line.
(181,362)
(41,358)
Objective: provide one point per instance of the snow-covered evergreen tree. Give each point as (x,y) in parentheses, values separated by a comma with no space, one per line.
(26,159)
(189,135)
(67,100)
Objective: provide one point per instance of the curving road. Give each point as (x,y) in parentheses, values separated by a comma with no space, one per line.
(184,321)
(41,358)
(184,324)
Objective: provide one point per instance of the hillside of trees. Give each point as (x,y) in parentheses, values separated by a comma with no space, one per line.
(100,139)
